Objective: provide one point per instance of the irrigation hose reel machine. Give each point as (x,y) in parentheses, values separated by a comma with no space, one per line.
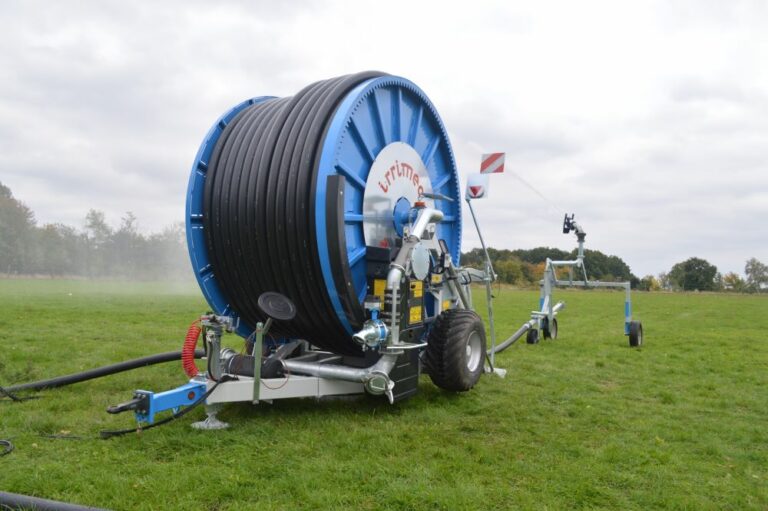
(325,229)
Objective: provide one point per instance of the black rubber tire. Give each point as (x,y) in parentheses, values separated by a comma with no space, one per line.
(635,334)
(550,333)
(532,337)
(448,362)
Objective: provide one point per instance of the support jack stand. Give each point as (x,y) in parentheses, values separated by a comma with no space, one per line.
(498,371)
(211,422)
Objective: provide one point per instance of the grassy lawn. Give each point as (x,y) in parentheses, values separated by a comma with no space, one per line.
(580,422)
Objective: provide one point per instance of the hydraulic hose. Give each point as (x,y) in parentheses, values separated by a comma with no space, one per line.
(12,501)
(188,350)
(99,372)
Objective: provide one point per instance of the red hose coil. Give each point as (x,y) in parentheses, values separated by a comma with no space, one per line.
(188,350)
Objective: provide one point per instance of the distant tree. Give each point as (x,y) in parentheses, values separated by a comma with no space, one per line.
(99,237)
(510,271)
(168,252)
(53,257)
(757,275)
(664,281)
(96,227)
(733,282)
(649,283)
(694,274)
(17,225)
(126,248)
(540,254)
(604,267)
(718,282)
(473,258)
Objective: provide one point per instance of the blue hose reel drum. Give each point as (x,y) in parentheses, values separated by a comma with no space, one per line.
(382,146)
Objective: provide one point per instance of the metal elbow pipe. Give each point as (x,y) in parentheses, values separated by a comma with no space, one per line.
(337,372)
(397,268)
(394,276)
(426,217)
(375,378)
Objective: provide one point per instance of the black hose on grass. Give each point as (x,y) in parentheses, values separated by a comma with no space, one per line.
(128,365)
(12,501)
(13,397)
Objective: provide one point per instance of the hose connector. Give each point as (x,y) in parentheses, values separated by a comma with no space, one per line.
(373,333)
(378,383)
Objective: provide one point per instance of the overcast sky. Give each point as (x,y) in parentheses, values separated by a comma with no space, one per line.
(649,120)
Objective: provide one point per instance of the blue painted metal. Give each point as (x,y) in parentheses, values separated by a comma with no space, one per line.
(169,400)
(627,316)
(373,115)
(198,253)
(400,214)
(376,113)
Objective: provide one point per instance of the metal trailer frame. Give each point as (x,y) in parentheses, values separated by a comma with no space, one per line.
(314,373)
(317,374)
(544,317)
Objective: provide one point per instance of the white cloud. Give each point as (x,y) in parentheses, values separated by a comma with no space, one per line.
(648,120)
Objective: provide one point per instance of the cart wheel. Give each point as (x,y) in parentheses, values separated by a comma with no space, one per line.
(550,333)
(532,337)
(635,334)
(456,350)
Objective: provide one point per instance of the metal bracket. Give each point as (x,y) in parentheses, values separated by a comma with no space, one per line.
(258,343)
(404,346)
(172,399)
(490,277)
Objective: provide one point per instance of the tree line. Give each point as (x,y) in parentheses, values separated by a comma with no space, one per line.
(525,268)
(100,250)
(696,274)
(97,250)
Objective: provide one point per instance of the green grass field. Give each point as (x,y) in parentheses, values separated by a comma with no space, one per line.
(580,422)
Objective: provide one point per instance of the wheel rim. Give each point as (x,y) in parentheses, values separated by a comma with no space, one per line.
(474,351)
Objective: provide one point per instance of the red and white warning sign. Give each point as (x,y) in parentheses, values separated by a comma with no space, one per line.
(492,163)
(477,186)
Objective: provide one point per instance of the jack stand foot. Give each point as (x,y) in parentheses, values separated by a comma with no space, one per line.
(211,422)
(498,371)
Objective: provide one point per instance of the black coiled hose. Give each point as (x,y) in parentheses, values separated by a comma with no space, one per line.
(259,204)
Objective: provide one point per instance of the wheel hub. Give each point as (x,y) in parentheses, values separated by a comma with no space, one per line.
(474,351)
